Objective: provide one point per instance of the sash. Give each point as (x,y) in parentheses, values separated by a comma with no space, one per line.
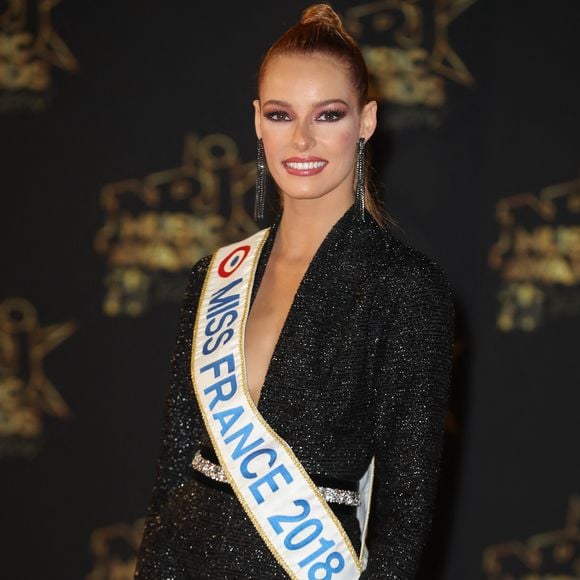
(283,503)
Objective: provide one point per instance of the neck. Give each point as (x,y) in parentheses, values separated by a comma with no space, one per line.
(306,222)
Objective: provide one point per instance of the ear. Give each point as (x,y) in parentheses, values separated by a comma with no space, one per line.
(368,120)
(257,118)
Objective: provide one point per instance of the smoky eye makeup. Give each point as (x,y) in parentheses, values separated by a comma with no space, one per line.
(331,115)
(277,115)
(327,112)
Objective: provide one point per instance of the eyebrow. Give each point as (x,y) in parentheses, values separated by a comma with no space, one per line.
(319,104)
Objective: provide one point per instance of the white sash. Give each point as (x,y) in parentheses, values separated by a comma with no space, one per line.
(275,491)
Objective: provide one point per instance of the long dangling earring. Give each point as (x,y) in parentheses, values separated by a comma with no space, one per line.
(260,182)
(359,191)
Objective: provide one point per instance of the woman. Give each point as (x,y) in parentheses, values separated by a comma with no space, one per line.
(337,376)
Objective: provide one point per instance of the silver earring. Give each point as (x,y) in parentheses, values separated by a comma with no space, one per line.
(359,190)
(260,182)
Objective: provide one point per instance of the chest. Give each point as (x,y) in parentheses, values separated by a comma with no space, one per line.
(307,345)
(267,317)
(308,337)
(315,389)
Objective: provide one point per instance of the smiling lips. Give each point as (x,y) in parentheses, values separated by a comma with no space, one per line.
(304,166)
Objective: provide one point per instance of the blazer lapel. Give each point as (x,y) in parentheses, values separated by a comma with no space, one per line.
(334,277)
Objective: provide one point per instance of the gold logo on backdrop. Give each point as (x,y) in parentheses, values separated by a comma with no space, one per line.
(407,49)
(157,227)
(29,48)
(114,549)
(26,393)
(538,256)
(553,554)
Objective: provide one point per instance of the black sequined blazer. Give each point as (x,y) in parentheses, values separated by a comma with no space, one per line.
(362,367)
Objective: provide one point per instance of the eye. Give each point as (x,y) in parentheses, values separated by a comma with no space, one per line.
(331,115)
(277,116)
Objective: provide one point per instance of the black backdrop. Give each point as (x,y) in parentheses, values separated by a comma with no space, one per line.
(126,153)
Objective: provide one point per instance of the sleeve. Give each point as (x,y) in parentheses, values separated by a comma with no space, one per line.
(411,375)
(180,436)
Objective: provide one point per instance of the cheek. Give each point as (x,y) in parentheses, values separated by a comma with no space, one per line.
(270,154)
(273,142)
(344,143)
(341,139)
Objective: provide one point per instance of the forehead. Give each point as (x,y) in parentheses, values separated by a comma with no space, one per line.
(303,77)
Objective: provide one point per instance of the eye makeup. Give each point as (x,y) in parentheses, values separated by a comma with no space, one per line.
(277,115)
(331,115)
(328,115)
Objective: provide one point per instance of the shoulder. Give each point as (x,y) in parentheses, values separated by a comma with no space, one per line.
(196,276)
(400,263)
(200,267)
(405,273)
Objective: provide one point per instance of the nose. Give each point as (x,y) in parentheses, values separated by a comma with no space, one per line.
(303,136)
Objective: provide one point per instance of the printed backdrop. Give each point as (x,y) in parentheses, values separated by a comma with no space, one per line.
(127,152)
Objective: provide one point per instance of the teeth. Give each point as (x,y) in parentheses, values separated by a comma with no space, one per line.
(308,165)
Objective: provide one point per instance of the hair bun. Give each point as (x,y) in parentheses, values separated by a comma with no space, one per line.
(323,15)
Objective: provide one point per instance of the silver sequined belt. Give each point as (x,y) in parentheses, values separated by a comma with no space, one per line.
(330,494)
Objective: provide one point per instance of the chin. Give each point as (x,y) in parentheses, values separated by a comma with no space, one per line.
(313,190)
(299,195)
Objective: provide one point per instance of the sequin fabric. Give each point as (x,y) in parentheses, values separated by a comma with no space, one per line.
(362,367)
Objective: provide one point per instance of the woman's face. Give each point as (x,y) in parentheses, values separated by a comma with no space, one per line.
(310,120)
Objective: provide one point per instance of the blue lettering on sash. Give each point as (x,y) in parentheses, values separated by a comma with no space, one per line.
(224,389)
(216,365)
(222,339)
(218,300)
(224,305)
(244,465)
(229,306)
(228,418)
(216,324)
(244,433)
(301,531)
(268,478)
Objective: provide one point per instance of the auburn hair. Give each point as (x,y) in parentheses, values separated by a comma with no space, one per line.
(321,31)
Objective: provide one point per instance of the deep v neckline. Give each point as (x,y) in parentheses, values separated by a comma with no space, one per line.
(259,275)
